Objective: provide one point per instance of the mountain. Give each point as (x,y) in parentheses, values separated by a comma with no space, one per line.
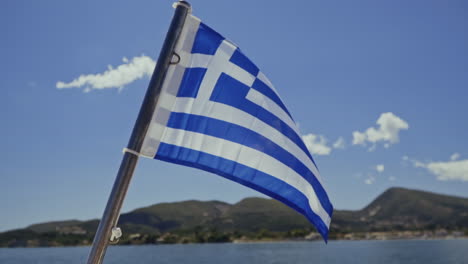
(169,216)
(256,218)
(53,226)
(395,209)
(404,209)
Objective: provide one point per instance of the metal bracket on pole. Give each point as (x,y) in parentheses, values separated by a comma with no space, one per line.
(131,154)
(116,235)
(177,57)
(131,151)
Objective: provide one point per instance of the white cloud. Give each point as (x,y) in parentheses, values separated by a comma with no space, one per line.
(370,180)
(317,144)
(129,71)
(389,127)
(451,170)
(416,163)
(359,138)
(380,168)
(455,156)
(392,178)
(454,170)
(339,143)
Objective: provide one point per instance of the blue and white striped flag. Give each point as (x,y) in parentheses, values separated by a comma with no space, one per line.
(218,112)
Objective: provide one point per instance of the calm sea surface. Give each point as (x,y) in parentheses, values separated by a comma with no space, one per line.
(336,252)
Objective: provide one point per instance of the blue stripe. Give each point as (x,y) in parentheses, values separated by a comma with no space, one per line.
(268,92)
(191,82)
(244,136)
(242,61)
(244,175)
(207,40)
(232,92)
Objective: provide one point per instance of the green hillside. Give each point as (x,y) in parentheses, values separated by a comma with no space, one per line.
(403,209)
(253,214)
(397,209)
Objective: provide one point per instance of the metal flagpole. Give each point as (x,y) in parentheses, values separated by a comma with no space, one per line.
(130,158)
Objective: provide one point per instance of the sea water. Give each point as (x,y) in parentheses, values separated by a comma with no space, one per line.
(335,252)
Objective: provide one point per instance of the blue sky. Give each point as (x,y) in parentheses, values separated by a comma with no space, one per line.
(338,65)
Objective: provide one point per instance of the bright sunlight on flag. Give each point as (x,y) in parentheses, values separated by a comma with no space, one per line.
(218,112)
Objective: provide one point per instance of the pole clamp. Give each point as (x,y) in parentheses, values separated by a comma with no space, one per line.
(131,151)
(116,234)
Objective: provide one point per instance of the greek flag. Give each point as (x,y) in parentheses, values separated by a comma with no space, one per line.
(218,112)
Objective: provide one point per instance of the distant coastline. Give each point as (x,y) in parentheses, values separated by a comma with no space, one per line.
(396,214)
(168,238)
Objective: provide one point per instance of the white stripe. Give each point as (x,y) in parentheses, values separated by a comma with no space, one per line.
(195,60)
(233,115)
(248,157)
(269,105)
(240,74)
(265,80)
